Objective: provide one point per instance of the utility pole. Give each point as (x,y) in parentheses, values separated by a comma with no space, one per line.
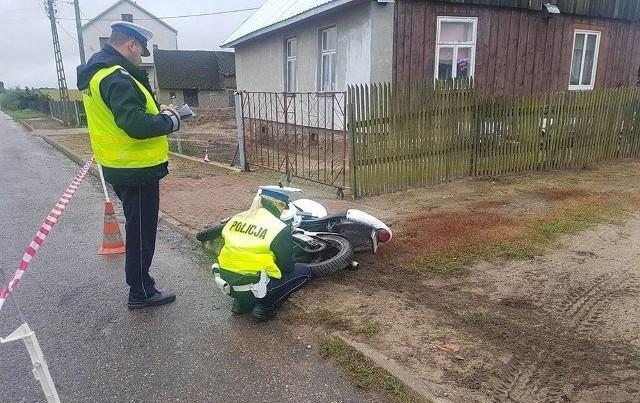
(76,5)
(62,82)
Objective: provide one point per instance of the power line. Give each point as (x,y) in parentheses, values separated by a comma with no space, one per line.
(187,15)
(142,19)
(89,19)
(65,31)
(61,27)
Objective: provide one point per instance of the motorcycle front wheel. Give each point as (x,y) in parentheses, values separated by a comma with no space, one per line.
(334,257)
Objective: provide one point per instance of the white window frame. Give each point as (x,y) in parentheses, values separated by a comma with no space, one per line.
(456,45)
(290,65)
(328,53)
(586,33)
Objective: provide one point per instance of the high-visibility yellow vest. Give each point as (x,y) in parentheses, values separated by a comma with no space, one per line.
(111,145)
(247,244)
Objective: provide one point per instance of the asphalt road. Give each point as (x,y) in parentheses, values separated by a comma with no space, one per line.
(193,350)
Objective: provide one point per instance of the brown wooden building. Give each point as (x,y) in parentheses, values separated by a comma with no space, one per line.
(514,47)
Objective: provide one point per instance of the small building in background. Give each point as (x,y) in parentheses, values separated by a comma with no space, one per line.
(96,32)
(200,78)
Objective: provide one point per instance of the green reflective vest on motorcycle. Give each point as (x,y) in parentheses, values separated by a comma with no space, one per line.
(111,145)
(247,242)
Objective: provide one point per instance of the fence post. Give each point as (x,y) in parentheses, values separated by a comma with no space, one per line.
(348,109)
(286,134)
(76,113)
(65,113)
(240,128)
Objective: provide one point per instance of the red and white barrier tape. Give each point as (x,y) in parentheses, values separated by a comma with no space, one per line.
(45,228)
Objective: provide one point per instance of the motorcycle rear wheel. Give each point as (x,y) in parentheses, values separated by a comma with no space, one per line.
(331,260)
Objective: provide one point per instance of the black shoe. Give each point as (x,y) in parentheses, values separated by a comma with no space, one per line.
(263,314)
(241,307)
(159,298)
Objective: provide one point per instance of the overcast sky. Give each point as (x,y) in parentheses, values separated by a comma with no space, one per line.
(26,45)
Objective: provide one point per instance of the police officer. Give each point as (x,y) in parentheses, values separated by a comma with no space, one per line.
(128,132)
(256,241)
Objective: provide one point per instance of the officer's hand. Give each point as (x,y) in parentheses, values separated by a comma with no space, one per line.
(170,106)
(171,112)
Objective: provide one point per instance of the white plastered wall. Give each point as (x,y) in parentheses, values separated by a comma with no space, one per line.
(364,53)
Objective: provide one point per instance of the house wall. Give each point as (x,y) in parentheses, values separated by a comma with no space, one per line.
(229,82)
(381,42)
(363,53)
(206,98)
(162,36)
(518,52)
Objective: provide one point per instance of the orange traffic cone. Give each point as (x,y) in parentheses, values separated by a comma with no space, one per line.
(206,155)
(112,243)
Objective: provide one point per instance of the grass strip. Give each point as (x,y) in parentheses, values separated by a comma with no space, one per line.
(528,237)
(25,114)
(364,373)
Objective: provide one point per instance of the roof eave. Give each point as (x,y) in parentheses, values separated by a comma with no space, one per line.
(300,17)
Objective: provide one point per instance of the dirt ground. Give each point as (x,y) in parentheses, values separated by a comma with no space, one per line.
(211,132)
(563,326)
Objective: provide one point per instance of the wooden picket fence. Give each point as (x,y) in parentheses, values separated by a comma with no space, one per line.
(412,135)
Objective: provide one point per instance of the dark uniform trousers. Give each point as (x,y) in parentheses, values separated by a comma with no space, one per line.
(141,205)
(278,289)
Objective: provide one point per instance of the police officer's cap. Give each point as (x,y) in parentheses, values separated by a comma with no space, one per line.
(275,194)
(137,32)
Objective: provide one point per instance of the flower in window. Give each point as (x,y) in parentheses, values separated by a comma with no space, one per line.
(463,64)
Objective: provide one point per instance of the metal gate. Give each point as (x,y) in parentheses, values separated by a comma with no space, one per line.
(301,134)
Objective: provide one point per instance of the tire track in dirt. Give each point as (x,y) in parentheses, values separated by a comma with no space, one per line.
(584,310)
(546,350)
(529,382)
(560,327)
(511,375)
(585,307)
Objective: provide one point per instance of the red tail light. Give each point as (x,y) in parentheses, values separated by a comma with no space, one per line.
(383,235)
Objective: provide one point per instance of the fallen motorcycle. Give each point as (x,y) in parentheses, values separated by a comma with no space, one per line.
(325,253)
(324,242)
(364,231)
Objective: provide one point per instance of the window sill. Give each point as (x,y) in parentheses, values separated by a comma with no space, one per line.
(580,87)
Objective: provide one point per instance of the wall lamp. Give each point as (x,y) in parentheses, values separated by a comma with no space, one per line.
(549,10)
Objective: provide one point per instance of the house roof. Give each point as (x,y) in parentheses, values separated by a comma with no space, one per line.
(201,69)
(275,14)
(226,63)
(99,16)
